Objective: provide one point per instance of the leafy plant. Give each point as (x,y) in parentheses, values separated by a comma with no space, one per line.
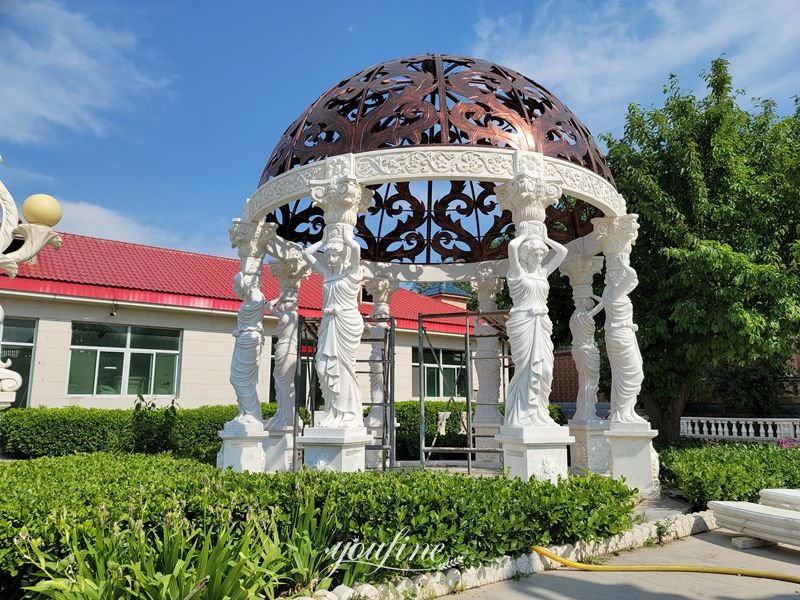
(729,471)
(718,253)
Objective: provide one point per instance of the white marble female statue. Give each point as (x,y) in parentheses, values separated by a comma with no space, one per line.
(284,308)
(249,336)
(587,359)
(622,348)
(341,327)
(530,262)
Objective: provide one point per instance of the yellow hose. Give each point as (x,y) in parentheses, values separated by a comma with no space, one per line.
(672,568)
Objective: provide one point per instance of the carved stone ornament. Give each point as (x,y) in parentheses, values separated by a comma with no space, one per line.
(341,200)
(617,235)
(528,197)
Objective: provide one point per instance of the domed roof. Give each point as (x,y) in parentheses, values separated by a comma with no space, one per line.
(434,100)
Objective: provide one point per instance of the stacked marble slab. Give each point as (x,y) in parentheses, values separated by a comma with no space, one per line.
(776,518)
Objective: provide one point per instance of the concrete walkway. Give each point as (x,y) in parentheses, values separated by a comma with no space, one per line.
(707,549)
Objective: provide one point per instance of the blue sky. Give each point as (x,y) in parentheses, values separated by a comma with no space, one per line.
(152,120)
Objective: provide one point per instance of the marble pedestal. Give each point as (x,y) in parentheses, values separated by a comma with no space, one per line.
(486,437)
(334,449)
(539,452)
(242,446)
(590,449)
(632,456)
(278,448)
(7,399)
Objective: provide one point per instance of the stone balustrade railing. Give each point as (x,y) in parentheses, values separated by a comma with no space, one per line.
(746,429)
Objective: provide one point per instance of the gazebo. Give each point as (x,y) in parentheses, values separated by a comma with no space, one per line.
(441,168)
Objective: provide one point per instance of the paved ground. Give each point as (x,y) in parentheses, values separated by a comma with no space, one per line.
(708,549)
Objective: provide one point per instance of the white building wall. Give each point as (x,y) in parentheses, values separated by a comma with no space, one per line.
(203,367)
(206,348)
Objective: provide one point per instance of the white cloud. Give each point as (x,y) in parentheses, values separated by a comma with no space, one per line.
(598,58)
(85,218)
(60,69)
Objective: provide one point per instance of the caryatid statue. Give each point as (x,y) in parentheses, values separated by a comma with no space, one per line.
(616,236)
(249,331)
(532,257)
(381,290)
(289,269)
(581,271)
(341,326)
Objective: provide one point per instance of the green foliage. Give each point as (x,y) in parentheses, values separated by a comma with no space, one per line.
(755,388)
(407,416)
(65,504)
(187,433)
(178,561)
(190,433)
(717,189)
(729,471)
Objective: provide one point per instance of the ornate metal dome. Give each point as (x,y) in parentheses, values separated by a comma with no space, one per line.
(435,99)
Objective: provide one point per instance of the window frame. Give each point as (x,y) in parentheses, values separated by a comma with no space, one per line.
(440,377)
(32,345)
(126,351)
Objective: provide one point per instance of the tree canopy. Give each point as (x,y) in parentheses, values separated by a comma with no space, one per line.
(717,190)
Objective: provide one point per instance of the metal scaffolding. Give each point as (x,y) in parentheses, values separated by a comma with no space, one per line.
(497,320)
(308,397)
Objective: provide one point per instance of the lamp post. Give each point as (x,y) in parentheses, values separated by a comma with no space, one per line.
(21,242)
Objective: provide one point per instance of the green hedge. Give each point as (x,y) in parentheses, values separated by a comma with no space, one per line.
(729,471)
(189,433)
(475,518)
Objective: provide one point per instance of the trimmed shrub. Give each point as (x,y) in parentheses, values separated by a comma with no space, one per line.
(729,471)
(475,518)
(189,433)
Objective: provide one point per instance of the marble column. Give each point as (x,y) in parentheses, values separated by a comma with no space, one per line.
(632,455)
(243,436)
(381,291)
(338,439)
(489,369)
(590,450)
(533,444)
(289,270)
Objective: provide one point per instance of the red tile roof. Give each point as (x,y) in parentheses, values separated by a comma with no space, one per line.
(105,269)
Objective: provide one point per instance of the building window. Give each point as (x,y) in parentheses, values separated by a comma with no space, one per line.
(117,360)
(18,337)
(449,381)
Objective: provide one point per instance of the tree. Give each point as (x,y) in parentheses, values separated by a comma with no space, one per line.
(717,190)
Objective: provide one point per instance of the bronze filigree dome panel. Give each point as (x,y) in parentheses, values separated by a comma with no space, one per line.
(435,99)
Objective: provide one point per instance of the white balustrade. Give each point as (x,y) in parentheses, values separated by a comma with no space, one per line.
(746,429)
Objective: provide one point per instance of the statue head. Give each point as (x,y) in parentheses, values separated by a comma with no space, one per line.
(532,253)
(287,302)
(337,255)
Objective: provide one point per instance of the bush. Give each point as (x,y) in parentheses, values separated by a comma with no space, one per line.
(188,433)
(729,471)
(475,518)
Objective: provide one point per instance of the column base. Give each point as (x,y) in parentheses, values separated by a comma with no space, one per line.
(486,437)
(7,399)
(242,446)
(334,449)
(590,450)
(539,452)
(632,456)
(278,449)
